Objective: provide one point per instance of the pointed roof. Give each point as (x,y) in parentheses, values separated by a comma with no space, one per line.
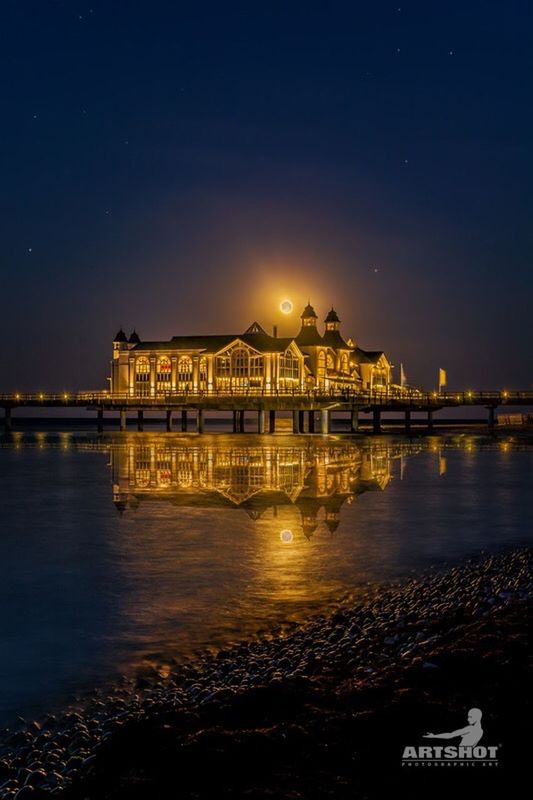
(134,337)
(334,339)
(255,327)
(120,337)
(308,337)
(332,316)
(309,312)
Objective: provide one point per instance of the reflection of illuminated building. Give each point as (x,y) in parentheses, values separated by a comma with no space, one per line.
(317,479)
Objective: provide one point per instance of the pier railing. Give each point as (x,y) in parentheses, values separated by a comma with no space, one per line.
(375,397)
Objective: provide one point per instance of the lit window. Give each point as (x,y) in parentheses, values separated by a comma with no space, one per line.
(223,366)
(288,367)
(239,362)
(184,370)
(203,370)
(142,376)
(163,372)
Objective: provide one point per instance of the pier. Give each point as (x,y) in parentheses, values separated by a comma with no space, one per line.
(311,411)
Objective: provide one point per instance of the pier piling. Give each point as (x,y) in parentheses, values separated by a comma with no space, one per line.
(376,420)
(311,421)
(324,421)
(168,417)
(272,421)
(354,420)
(261,421)
(140,420)
(200,421)
(407,421)
(183,421)
(100,420)
(123,420)
(295,422)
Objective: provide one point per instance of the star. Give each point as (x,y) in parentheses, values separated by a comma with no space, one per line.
(397,49)
(30,249)
(450,53)
(126,141)
(376,269)
(406,161)
(35,116)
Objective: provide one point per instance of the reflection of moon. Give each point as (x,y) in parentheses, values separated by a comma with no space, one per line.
(286,306)
(286,536)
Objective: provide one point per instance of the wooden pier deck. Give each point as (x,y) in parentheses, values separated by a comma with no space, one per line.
(305,407)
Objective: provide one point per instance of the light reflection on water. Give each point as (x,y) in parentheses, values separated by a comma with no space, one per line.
(121,550)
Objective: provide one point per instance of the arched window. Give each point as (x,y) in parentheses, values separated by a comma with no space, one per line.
(142,366)
(321,362)
(163,373)
(344,362)
(240,368)
(239,363)
(142,376)
(330,362)
(184,371)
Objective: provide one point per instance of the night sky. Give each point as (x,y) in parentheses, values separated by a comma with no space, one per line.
(183,167)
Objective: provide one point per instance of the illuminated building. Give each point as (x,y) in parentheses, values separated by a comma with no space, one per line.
(251,361)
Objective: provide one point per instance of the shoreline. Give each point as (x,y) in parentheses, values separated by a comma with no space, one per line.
(290,692)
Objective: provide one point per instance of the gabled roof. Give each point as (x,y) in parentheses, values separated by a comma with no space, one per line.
(367,356)
(255,327)
(261,342)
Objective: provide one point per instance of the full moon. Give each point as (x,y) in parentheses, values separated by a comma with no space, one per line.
(286,306)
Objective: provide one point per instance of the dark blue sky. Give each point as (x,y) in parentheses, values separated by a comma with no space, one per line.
(182,168)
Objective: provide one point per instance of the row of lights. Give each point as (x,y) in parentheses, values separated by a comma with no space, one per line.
(433,394)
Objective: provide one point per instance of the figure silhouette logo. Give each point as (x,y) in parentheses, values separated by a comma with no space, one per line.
(467,753)
(470,735)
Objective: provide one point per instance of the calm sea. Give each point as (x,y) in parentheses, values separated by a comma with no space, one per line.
(125,550)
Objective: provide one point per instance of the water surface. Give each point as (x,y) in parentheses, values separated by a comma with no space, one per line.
(117,551)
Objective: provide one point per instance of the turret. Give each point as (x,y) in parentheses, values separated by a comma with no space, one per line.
(120,343)
(332,320)
(308,336)
(308,316)
(332,336)
(120,337)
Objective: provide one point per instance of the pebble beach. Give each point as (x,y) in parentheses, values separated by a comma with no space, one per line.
(316,710)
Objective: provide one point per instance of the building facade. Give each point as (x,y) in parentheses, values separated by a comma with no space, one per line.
(253,361)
